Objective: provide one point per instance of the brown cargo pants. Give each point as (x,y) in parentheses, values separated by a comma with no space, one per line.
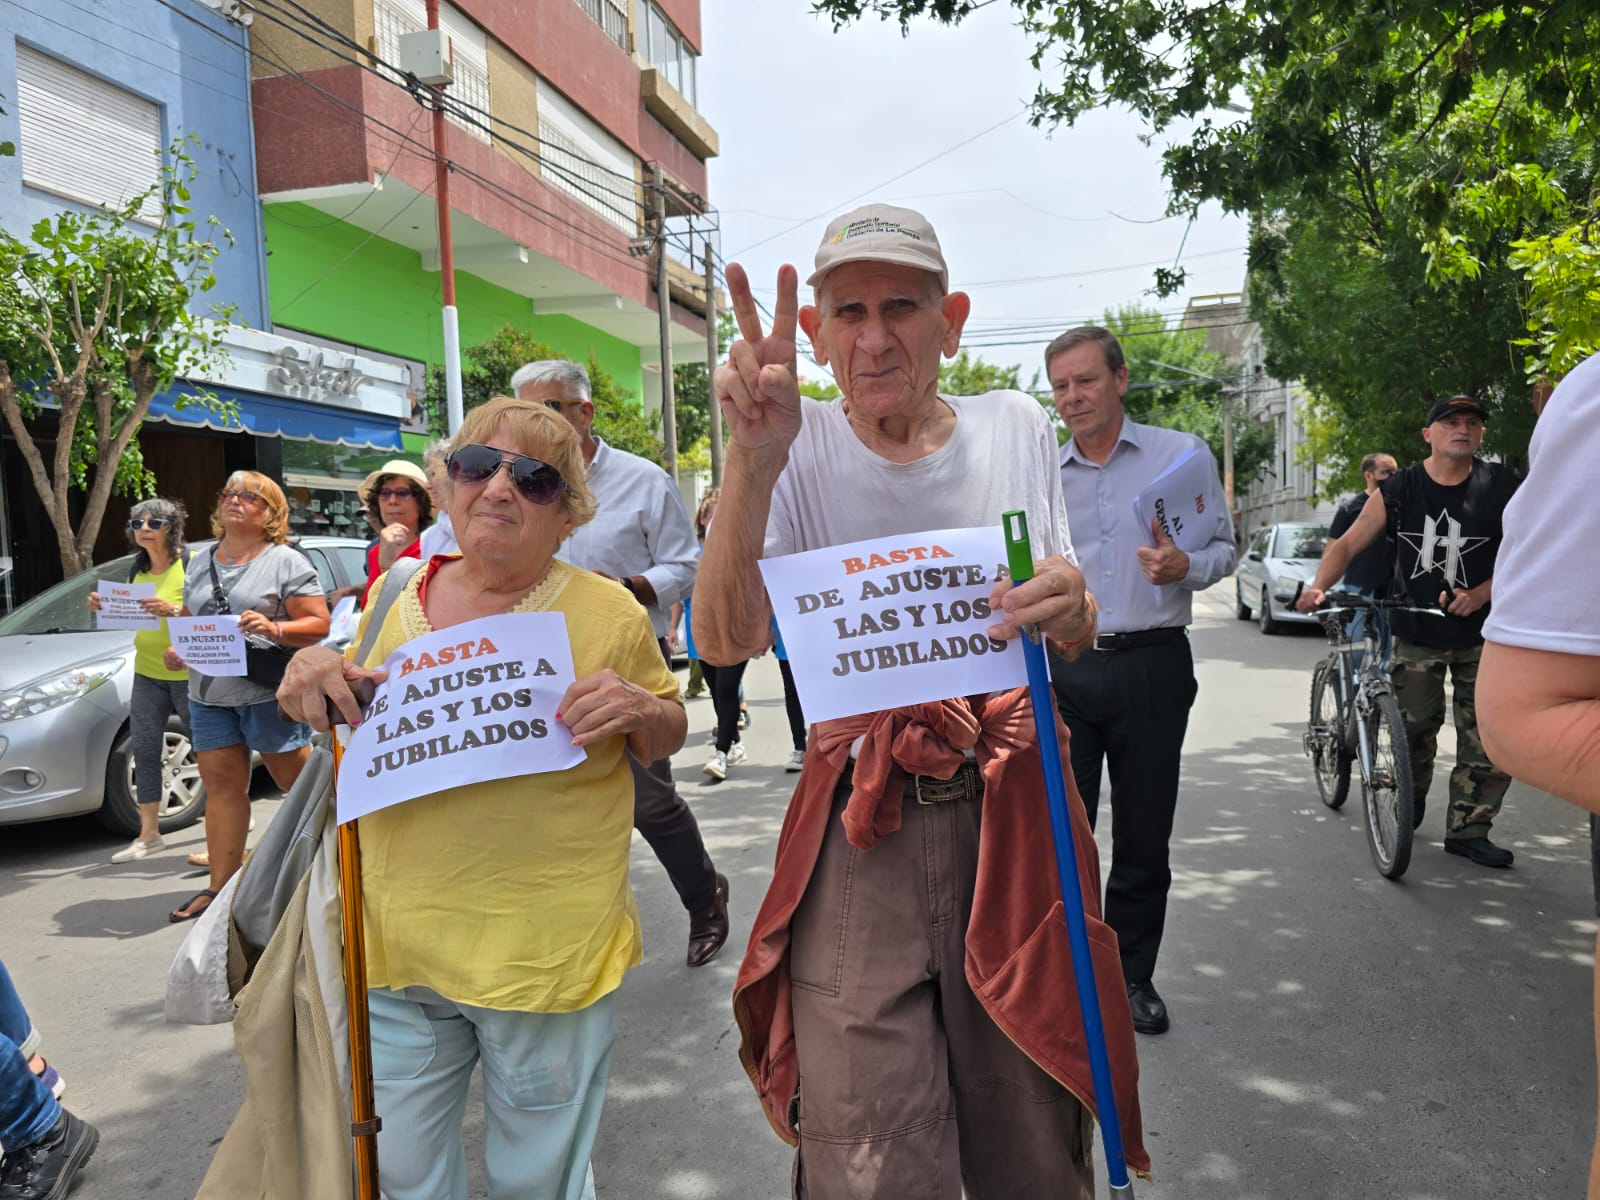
(908,1091)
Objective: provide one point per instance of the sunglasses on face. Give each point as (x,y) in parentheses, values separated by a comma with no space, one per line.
(538,481)
(242,497)
(396,493)
(137,523)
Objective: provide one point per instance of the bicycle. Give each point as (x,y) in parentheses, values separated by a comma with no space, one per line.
(1355,719)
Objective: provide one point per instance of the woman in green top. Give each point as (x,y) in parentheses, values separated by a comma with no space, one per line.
(155,527)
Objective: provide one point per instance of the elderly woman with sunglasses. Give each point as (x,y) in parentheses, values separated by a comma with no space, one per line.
(498,915)
(155,530)
(400,508)
(273,589)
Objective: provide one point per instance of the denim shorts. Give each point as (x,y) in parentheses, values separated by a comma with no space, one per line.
(213,726)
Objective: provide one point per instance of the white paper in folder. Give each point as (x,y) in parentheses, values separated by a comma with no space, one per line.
(1176,500)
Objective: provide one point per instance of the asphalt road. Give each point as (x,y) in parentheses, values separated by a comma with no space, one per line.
(1334,1035)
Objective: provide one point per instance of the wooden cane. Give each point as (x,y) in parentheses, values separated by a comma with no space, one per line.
(364,1121)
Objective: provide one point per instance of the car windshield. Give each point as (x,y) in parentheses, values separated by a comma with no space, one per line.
(65,607)
(1300,541)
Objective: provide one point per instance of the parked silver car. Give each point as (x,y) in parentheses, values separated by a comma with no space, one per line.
(65,747)
(1277,561)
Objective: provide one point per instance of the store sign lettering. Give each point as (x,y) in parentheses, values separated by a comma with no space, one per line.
(314,378)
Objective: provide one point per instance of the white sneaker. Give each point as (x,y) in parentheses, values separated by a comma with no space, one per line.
(138,850)
(737,753)
(796,761)
(717,766)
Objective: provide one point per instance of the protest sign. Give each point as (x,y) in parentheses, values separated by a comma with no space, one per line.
(893,621)
(473,702)
(343,622)
(119,605)
(1176,500)
(211,645)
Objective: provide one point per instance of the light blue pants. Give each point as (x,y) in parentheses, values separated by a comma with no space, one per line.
(544,1083)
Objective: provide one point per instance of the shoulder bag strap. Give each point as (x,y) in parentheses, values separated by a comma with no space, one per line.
(218,596)
(393,584)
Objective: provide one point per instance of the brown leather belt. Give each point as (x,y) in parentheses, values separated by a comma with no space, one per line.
(965,784)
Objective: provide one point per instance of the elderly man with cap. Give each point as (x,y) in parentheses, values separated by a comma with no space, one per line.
(906,999)
(396,498)
(641,537)
(1443,519)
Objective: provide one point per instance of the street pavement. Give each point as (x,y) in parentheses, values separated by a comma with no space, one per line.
(1334,1034)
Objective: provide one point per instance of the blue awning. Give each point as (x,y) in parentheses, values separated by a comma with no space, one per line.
(273,416)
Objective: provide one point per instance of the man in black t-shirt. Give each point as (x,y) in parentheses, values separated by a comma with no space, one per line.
(1442,517)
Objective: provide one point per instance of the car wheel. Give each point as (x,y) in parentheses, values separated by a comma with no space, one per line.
(1240,608)
(183,794)
(1269,624)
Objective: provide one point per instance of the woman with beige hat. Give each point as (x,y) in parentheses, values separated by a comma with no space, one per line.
(396,496)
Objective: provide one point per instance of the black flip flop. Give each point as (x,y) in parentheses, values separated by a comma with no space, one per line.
(189,903)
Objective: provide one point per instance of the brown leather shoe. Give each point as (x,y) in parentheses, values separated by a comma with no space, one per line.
(708,929)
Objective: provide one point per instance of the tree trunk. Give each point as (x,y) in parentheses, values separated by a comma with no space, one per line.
(53,498)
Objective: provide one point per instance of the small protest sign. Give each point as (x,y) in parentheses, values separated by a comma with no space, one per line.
(893,621)
(1176,501)
(211,645)
(119,605)
(473,702)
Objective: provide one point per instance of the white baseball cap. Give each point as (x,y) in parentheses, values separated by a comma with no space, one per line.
(881,233)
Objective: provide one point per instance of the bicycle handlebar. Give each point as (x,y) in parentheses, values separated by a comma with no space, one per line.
(1354,600)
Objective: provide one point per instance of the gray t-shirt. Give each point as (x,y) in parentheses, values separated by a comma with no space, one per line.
(262,584)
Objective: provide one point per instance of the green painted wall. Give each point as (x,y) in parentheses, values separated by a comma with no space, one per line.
(329,277)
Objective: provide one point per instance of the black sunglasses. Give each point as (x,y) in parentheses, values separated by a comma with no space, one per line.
(143,522)
(538,481)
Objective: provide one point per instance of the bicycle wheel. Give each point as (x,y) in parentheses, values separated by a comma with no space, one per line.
(1325,740)
(1386,788)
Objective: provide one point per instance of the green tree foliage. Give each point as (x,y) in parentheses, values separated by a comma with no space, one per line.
(486,371)
(7,149)
(98,312)
(825,390)
(968,375)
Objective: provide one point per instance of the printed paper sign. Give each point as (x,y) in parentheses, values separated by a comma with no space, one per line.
(473,702)
(211,645)
(119,606)
(1176,499)
(893,621)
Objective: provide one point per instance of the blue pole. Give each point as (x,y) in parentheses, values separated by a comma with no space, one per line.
(1019,555)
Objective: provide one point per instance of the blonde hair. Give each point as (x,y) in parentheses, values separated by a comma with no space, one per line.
(275,525)
(538,432)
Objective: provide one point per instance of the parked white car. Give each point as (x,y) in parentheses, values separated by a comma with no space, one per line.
(1276,562)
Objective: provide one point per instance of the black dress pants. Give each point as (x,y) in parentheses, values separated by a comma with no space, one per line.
(1129,709)
(664,820)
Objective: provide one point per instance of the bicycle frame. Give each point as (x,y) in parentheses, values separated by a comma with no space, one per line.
(1355,688)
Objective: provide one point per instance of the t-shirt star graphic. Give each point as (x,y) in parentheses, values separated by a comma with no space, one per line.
(1439,547)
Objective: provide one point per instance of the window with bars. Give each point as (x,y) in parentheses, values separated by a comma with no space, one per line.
(469,54)
(584,161)
(611,16)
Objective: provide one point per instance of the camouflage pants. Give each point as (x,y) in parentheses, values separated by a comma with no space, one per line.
(1477,786)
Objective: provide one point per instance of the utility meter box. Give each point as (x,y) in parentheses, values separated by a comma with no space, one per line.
(426,54)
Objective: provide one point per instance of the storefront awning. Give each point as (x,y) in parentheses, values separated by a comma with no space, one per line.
(273,416)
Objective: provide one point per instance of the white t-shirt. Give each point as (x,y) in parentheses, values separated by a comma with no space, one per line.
(1002,455)
(1547,575)
(438,538)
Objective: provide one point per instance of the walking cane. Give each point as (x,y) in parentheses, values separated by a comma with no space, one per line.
(1019,560)
(364,1122)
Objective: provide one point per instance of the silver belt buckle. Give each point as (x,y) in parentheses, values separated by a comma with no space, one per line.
(1102,642)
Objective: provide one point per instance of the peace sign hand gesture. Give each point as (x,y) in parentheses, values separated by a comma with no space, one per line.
(758,387)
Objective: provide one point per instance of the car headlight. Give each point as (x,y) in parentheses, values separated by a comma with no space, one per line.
(1287,584)
(52,691)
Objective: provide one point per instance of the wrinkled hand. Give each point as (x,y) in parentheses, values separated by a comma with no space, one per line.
(154,605)
(1053,600)
(1163,562)
(1462,602)
(758,387)
(1311,599)
(317,677)
(172,660)
(603,705)
(250,621)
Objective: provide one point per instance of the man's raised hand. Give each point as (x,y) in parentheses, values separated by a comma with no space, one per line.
(758,387)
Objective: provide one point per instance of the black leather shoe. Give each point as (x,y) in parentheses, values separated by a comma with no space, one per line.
(1149,1009)
(708,928)
(1480,850)
(46,1169)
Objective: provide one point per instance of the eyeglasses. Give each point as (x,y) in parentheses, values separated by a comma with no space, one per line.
(243,497)
(538,481)
(555,404)
(396,493)
(147,523)
(1384,472)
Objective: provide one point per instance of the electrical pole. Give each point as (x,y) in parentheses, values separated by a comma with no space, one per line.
(714,410)
(1227,447)
(447,257)
(669,415)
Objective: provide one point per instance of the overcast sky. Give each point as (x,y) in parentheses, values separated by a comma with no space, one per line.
(813,123)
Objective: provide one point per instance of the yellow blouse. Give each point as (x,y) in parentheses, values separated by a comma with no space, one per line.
(513,894)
